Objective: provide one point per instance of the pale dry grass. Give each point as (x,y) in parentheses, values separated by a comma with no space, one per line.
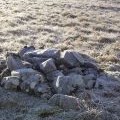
(90,26)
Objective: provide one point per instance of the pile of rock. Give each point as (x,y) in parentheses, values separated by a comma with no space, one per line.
(50,71)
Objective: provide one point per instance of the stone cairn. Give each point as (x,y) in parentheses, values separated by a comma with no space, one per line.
(48,72)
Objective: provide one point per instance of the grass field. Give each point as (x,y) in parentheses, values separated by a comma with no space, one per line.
(90,26)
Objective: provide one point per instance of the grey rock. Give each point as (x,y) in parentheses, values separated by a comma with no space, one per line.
(25,49)
(52,76)
(14,62)
(10,83)
(88,64)
(72,59)
(76,70)
(48,66)
(65,102)
(31,82)
(88,71)
(27,64)
(2,65)
(42,90)
(67,84)
(27,74)
(29,77)
(89,81)
(47,53)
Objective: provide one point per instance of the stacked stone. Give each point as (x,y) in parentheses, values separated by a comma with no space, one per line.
(50,71)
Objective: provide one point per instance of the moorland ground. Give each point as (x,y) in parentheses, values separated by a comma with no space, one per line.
(88,26)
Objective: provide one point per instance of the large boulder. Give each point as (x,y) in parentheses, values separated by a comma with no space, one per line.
(72,59)
(68,84)
(10,83)
(65,102)
(36,61)
(48,66)
(47,53)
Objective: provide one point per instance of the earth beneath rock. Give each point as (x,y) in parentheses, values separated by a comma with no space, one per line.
(67,79)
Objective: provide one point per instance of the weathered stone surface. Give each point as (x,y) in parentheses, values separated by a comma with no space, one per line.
(67,84)
(48,66)
(89,81)
(65,102)
(27,64)
(88,64)
(36,61)
(76,70)
(43,90)
(14,62)
(10,82)
(27,73)
(52,76)
(47,53)
(25,49)
(72,59)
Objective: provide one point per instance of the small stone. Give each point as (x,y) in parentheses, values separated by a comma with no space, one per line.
(65,102)
(88,64)
(36,61)
(72,59)
(48,66)
(10,82)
